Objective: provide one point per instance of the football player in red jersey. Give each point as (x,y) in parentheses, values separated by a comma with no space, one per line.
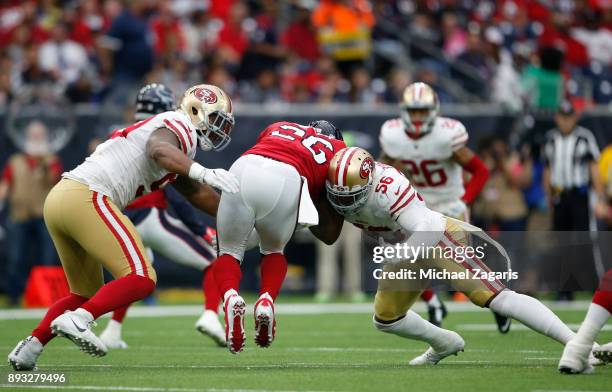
(279,178)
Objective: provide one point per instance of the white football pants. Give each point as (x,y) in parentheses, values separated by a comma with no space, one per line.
(170,237)
(268,200)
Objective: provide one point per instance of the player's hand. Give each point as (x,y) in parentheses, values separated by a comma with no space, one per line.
(221,179)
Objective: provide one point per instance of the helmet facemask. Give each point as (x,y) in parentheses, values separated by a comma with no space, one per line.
(419,109)
(214,130)
(347,201)
(418,121)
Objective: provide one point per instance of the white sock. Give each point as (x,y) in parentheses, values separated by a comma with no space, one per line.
(532,313)
(434,301)
(228,293)
(113,327)
(595,319)
(415,327)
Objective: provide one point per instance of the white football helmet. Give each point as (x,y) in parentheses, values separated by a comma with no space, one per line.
(420,107)
(210,111)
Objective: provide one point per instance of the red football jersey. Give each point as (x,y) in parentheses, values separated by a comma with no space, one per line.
(300,146)
(155,199)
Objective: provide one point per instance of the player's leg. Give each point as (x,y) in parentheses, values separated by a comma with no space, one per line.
(235,221)
(493,294)
(392,315)
(275,222)
(170,237)
(435,307)
(110,239)
(111,336)
(84,279)
(575,358)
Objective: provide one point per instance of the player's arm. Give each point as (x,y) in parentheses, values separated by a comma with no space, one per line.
(202,196)
(163,147)
(387,160)
(330,222)
(471,163)
(185,211)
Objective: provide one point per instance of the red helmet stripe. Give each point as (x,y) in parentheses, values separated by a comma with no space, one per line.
(347,163)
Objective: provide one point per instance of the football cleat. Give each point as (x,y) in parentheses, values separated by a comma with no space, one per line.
(575,358)
(503,323)
(603,353)
(76,326)
(432,357)
(265,323)
(437,313)
(25,354)
(235,309)
(209,325)
(111,336)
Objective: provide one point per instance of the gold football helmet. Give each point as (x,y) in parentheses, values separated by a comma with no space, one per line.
(210,111)
(420,107)
(349,179)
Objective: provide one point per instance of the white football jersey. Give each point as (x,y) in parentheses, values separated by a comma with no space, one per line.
(428,162)
(120,168)
(390,196)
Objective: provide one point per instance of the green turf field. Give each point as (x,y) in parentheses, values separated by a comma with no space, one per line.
(328,352)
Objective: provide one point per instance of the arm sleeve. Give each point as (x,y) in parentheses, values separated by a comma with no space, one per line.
(185,211)
(480,175)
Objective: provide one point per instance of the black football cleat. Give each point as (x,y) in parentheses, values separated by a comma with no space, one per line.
(503,323)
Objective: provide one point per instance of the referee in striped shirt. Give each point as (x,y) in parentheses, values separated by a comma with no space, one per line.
(570,156)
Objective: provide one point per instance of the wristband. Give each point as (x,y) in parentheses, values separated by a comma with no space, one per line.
(197,171)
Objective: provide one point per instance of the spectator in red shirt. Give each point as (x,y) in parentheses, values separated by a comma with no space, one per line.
(233,37)
(300,36)
(169,38)
(27,178)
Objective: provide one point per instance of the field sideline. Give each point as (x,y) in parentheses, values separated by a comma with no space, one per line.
(331,351)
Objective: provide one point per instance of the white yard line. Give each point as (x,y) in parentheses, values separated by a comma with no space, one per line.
(515,327)
(139,389)
(285,309)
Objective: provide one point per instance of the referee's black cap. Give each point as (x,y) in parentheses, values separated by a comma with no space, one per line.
(566,108)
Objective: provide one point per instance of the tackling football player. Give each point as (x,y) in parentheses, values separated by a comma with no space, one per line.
(186,240)
(575,358)
(431,150)
(380,200)
(279,176)
(83,214)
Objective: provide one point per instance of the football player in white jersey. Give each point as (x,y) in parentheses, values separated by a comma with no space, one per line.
(431,150)
(83,214)
(182,237)
(383,202)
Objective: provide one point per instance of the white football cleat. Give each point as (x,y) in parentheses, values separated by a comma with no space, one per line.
(234,308)
(76,326)
(265,323)
(209,325)
(111,336)
(575,358)
(25,354)
(432,357)
(604,353)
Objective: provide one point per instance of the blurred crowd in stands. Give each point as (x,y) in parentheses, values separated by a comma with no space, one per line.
(514,52)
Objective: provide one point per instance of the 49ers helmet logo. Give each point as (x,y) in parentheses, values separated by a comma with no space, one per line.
(367,166)
(205,95)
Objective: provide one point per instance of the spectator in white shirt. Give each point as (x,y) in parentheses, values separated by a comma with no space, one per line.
(62,59)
